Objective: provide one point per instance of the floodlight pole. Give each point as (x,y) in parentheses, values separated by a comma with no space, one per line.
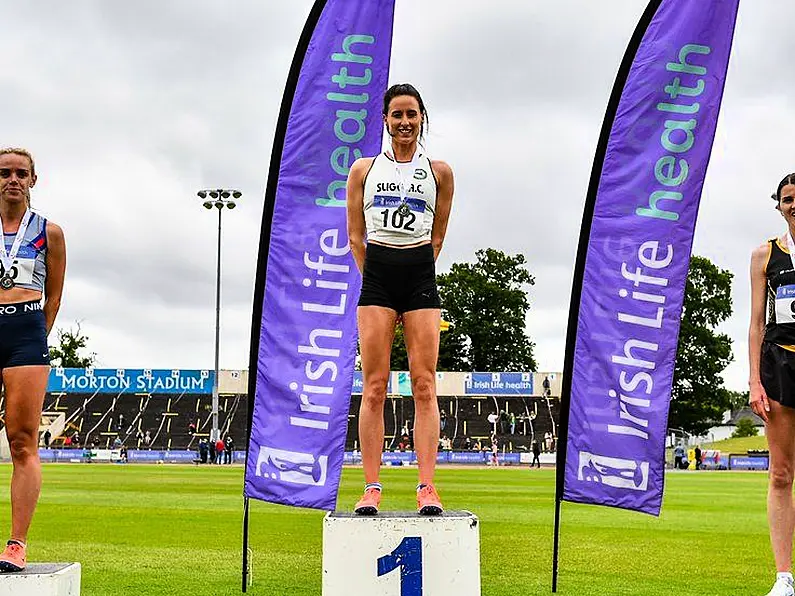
(216,432)
(219,198)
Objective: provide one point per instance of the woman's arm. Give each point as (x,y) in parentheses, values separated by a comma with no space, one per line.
(355,206)
(444,203)
(756,330)
(56,271)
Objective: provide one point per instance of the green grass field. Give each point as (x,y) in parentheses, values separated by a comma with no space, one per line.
(176,530)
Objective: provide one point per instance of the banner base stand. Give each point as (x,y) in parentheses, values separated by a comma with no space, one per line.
(43,579)
(398,552)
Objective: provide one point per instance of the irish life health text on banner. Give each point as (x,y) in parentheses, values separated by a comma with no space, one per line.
(307,332)
(638,255)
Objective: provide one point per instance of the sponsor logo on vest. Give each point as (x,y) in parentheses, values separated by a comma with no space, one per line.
(420,174)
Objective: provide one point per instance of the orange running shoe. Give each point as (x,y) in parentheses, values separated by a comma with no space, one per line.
(13,557)
(368,504)
(428,502)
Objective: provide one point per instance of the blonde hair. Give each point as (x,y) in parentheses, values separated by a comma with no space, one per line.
(23,153)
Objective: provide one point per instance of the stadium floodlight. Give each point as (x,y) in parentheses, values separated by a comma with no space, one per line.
(220,199)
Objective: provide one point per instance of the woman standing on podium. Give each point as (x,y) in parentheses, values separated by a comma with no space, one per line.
(398,208)
(32,266)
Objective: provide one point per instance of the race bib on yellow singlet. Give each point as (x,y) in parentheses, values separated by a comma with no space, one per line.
(21,270)
(785,305)
(390,213)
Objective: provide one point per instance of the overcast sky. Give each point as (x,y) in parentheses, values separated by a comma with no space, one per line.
(131,107)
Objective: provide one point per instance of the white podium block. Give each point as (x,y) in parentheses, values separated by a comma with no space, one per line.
(401,554)
(42,579)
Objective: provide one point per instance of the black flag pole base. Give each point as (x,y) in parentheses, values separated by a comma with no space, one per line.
(556,547)
(247,575)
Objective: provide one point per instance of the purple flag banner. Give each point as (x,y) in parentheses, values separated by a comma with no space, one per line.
(634,254)
(304,320)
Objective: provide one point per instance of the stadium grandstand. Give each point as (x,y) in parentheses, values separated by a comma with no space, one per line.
(171,410)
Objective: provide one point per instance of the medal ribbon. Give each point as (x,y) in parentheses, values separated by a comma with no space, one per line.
(401,180)
(7,258)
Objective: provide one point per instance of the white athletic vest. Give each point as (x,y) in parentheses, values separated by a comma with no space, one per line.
(395,217)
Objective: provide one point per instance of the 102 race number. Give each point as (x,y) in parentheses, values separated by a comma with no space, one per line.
(398,220)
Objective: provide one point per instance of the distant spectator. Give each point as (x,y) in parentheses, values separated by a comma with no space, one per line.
(512,422)
(445,444)
(493,418)
(229,446)
(442,420)
(536,452)
(503,421)
(404,444)
(76,439)
(548,442)
(47,438)
(547,387)
(495,449)
(67,442)
(219,451)
(147,439)
(204,450)
(117,442)
(679,456)
(467,443)
(120,423)
(698,457)
(123,454)
(192,428)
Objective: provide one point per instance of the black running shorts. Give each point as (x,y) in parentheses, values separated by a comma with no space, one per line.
(23,335)
(777,370)
(403,279)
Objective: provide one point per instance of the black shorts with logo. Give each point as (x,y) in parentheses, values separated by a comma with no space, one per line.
(403,279)
(23,335)
(777,372)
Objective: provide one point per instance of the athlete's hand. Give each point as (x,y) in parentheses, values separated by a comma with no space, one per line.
(759,401)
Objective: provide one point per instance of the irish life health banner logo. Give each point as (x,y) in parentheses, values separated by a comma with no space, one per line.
(304,327)
(635,252)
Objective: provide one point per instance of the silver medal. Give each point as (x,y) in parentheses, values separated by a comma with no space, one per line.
(6,283)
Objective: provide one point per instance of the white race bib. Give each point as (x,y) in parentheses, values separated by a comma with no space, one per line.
(785,305)
(21,270)
(388,215)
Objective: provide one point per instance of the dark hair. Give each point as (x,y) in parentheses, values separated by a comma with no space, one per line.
(788,179)
(406,89)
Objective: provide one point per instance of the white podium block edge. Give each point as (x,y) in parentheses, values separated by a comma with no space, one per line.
(30,583)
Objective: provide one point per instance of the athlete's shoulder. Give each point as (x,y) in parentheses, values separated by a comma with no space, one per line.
(442,169)
(363,164)
(54,231)
(761,254)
